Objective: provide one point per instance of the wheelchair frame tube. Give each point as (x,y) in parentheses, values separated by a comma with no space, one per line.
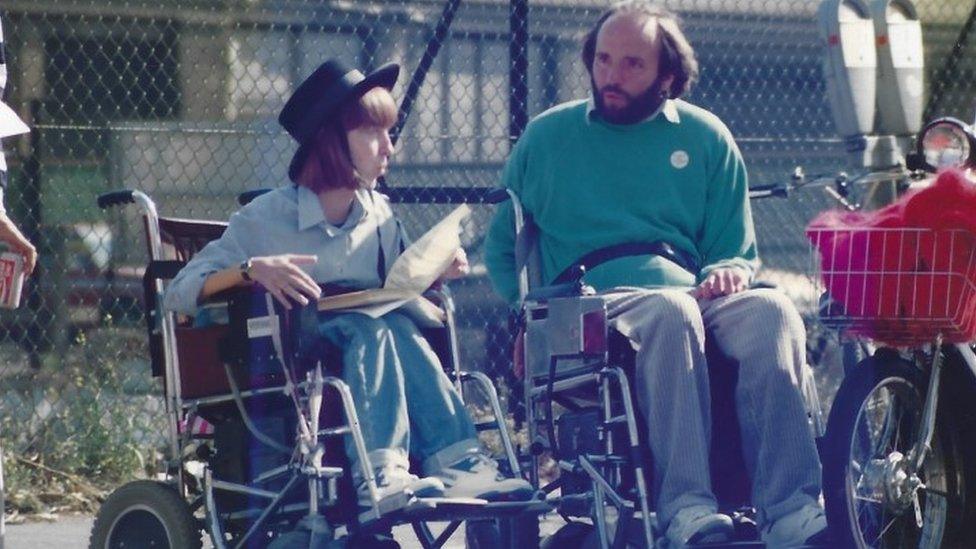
(352,419)
(600,487)
(216,532)
(598,506)
(447,300)
(173,400)
(496,409)
(523,275)
(637,463)
(268,510)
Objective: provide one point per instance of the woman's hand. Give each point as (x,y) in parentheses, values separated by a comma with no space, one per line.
(722,281)
(283,277)
(458,268)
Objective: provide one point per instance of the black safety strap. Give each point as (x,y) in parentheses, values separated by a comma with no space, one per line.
(602,255)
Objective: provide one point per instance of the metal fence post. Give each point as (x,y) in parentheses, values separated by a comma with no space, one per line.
(518,52)
(34,343)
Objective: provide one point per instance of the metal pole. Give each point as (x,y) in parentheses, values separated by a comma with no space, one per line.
(518,81)
(426,61)
(419,75)
(32,224)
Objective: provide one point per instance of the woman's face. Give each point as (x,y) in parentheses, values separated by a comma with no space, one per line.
(370,148)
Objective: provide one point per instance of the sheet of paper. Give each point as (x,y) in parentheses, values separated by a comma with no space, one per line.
(415,270)
(362,298)
(422,263)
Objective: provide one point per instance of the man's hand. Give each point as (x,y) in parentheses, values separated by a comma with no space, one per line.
(458,268)
(722,281)
(283,277)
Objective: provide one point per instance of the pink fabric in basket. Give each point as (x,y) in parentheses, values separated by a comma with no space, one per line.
(916,284)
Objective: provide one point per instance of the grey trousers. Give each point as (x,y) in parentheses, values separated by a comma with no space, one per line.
(762,331)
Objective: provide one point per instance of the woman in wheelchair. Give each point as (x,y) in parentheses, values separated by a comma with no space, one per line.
(331,228)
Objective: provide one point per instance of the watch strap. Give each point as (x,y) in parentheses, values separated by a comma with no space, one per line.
(245,268)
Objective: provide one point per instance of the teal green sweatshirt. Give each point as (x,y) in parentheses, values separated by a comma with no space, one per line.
(678,177)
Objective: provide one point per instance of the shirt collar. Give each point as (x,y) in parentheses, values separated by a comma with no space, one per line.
(668,109)
(310,212)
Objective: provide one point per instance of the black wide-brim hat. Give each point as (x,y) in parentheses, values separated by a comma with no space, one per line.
(319,98)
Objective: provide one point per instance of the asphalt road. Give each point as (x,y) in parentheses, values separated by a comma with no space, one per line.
(71,532)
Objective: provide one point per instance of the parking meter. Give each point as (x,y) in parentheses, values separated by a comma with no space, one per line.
(850,64)
(900,67)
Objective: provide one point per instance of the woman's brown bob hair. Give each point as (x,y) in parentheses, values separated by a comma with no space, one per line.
(677,57)
(329,165)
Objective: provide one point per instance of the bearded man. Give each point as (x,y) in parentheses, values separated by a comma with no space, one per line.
(635,164)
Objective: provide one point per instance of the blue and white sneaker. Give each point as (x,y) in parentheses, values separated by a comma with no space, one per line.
(476,475)
(395,487)
(805,526)
(698,524)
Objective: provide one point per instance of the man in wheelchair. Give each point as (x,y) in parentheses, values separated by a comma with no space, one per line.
(651,192)
(331,228)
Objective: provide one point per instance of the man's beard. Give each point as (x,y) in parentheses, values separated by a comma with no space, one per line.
(636,109)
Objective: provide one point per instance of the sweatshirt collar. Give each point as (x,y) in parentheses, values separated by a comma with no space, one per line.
(668,109)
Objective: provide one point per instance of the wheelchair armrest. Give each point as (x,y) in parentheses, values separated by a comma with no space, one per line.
(226,296)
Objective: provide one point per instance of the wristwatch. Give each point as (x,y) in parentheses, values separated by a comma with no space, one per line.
(245,268)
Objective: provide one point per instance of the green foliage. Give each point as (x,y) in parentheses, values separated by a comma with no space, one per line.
(87,420)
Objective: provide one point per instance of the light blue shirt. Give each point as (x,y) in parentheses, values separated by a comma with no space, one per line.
(290,220)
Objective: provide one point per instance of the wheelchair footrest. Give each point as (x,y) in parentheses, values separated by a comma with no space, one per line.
(451,509)
(731,545)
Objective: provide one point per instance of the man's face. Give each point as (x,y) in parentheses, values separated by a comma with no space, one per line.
(625,68)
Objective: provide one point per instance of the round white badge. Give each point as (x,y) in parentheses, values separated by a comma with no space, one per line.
(679,159)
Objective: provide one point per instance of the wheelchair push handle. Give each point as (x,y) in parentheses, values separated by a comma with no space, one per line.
(496,195)
(116,198)
(146,206)
(246,197)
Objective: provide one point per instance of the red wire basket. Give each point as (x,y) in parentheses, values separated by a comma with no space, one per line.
(899,286)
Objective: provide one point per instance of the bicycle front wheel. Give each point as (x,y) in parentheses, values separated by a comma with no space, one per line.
(873,499)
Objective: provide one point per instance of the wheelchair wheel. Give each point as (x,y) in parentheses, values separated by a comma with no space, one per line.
(145,514)
(874,422)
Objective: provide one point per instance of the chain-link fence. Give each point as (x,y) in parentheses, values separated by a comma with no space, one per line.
(178,98)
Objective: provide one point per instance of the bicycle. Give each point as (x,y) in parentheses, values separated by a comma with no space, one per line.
(899,453)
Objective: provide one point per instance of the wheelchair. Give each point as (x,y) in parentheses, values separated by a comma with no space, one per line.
(578,406)
(255,429)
